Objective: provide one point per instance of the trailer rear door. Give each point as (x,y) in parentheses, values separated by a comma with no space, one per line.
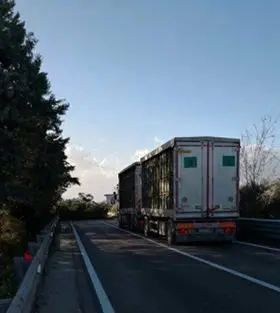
(224,180)
(190,186)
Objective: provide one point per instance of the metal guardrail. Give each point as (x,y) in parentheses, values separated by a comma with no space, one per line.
(25,297)
(259,228)
(4,304)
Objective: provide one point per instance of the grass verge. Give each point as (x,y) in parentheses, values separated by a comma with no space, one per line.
(12,243)
(7,282)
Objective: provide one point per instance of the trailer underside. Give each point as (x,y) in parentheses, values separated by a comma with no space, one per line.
(182,230)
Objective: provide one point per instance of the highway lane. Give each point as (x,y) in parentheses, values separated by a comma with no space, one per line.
(140,276)
(65,286)
(253,261)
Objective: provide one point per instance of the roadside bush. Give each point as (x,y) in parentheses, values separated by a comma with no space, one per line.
(12,235)
(76,215)
(8,285)
(82,208)
(113,211)
(260,201)
(12,243)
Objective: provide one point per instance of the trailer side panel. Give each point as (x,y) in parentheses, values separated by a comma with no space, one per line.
(157,184)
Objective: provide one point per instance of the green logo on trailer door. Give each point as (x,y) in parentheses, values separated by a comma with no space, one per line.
(190,162)
(228,160)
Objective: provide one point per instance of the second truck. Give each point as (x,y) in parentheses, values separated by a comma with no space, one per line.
(186,190)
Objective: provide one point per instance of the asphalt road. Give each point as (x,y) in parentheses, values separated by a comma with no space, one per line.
(66,286)
(141,276)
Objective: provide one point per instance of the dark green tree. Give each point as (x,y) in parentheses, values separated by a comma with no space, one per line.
(34,171)
(85,197)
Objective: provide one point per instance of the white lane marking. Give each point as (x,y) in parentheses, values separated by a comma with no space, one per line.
(101,294)
(245,243)
(214,265)
(256,245)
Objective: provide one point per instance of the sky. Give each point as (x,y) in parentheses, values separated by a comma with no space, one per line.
(138,72)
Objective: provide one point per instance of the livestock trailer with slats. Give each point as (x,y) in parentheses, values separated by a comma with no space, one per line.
(189,190)
(129,195)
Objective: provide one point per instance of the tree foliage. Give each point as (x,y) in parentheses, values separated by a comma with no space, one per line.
(258,160)
(34,171)
(259,165)
(83,207)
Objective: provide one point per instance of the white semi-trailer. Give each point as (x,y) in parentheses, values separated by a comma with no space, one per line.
(187,189)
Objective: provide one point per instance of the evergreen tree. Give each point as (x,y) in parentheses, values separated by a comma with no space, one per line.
(33,166)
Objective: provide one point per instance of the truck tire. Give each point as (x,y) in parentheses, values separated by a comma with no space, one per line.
(146,227)
(171,235)
(120,222)
(227,242)
(131,223)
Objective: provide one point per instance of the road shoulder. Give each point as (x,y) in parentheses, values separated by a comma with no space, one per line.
(64,280)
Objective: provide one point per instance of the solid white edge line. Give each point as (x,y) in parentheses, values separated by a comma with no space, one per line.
(100,292)
(209,263)
(250,244)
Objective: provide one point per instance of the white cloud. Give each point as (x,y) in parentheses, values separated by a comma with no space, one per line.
(138,154)
(99,176)
(158,141)
(102,140)
(96,176)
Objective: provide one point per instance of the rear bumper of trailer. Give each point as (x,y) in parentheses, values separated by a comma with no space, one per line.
(201,231)
(195,237)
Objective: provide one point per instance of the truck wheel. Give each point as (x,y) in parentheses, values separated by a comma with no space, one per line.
(171,236)
(120,222)
(131,223)
(146,227)
(227,242)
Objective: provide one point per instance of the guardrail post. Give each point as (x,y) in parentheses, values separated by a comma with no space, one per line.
(20,268)
(33,247)
(29,273)
(40,238)
(56,236)
(4,304)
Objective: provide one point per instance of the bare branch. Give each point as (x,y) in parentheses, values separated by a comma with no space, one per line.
(257,154)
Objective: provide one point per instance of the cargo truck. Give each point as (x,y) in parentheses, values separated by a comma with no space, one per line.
(186,190)
(129,196)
